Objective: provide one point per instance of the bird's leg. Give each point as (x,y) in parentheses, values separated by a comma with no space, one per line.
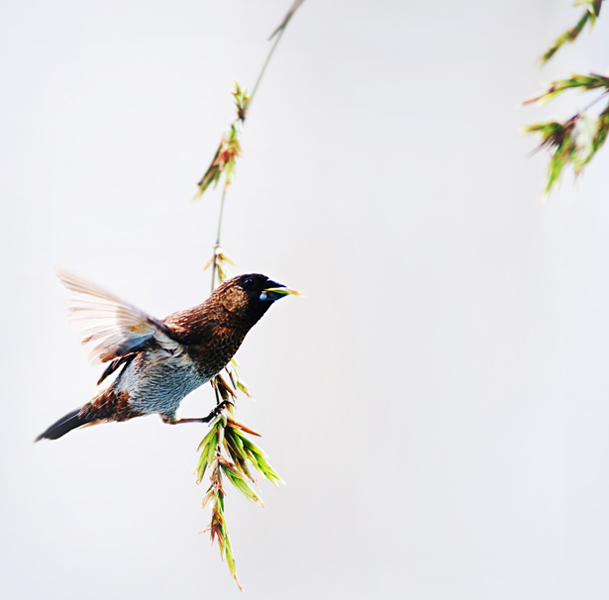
(212,415)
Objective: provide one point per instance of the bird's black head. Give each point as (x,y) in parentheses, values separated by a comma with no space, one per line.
(257,287)
(248,297)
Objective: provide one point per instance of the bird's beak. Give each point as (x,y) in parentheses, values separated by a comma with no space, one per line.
(276,290)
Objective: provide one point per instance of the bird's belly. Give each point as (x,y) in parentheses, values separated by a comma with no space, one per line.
(158,386)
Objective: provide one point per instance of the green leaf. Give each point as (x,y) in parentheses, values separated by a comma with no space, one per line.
(259,459)
(568,36)
(554,88)
(242,99)
(212,175)
(241,484)
(602,128)
(593,9)
(206,440)
(237,454)
(211,450)
(208,448)
(233,438)
(584,139)
(230,560)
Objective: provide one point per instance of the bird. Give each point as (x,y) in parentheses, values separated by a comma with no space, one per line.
(159,362)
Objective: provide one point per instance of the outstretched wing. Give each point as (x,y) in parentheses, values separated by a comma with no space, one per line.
(112,328)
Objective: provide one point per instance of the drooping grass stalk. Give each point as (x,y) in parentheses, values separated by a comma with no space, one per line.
(224,160)
(574,141)
(227,450)
(217,244)
(266,62)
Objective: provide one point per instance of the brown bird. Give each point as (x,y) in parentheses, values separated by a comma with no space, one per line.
(161,361)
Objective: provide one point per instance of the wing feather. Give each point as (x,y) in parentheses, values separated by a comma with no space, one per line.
(111,327)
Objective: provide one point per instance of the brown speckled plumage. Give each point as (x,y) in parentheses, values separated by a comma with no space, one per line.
(160,362)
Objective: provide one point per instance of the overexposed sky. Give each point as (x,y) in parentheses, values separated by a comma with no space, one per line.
(438,404)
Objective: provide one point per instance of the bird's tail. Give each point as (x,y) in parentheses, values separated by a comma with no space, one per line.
(102,408)
(76,418)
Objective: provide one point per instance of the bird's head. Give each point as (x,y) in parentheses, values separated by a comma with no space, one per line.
(248,297)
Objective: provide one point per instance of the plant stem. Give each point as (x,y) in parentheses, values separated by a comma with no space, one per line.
(595,101)
(218,524)
(264,66)
(217,244)
(266,62)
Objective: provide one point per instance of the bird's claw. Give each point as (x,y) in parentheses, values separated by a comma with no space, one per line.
(216,412)
(210,417)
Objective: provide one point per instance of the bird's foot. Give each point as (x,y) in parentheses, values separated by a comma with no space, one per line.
(219,408)
(212,415)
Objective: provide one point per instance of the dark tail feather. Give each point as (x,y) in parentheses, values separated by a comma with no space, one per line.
(65,424)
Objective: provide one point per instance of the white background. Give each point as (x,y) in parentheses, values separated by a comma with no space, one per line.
(438,404)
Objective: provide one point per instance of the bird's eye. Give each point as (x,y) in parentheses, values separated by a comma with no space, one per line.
(248,282)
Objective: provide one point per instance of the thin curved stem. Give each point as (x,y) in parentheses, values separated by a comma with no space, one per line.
(591,104)
(217,244)
(279,33)
(266,62)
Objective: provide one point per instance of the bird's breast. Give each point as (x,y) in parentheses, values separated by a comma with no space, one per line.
(212,356)
(157,383)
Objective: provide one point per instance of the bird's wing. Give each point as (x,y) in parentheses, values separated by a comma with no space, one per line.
(111,327)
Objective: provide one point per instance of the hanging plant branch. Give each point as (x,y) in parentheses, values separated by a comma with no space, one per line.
(591,13)
(229,150)
(227,452)
(576,140)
